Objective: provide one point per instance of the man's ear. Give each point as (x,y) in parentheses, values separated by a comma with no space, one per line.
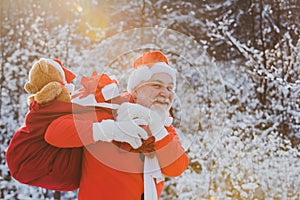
(134,94)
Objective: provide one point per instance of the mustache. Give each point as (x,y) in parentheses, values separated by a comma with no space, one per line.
(161,100)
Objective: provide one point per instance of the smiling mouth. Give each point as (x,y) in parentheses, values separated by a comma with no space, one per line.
(162,102)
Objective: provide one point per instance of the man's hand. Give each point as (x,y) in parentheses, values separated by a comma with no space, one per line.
(122,131)
(130,111)
(156,122)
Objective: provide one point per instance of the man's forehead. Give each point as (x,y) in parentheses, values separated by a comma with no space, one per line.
(162,78)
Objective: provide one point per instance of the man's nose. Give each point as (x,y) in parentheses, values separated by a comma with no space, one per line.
(164,92)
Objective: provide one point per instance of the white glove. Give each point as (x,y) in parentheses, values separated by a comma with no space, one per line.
(125,131)
(130,111)
(156,122)
(157,127)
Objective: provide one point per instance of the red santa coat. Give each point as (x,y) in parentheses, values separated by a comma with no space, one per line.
(108,171)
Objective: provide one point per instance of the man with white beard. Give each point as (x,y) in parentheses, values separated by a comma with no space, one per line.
(127,156)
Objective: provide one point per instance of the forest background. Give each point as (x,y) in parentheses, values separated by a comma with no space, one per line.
(238,96)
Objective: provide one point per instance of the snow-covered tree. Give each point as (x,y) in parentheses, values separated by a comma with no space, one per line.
(237,119)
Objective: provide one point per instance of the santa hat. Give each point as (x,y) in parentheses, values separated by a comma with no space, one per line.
(146,65)
(67,74)
(97,90)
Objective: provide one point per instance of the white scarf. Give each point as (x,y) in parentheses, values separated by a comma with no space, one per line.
(151,171)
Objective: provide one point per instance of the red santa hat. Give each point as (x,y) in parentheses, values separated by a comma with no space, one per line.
(67,74)
(97,90)
(146,65)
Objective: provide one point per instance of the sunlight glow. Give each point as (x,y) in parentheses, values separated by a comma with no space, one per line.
(79,8)
(93,20)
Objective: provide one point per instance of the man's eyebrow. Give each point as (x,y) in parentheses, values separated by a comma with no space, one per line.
(170,83)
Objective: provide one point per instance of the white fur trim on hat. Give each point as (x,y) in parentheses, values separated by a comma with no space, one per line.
(144,73)
(58,67)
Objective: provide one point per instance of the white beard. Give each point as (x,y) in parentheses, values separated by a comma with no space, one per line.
(162,110)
